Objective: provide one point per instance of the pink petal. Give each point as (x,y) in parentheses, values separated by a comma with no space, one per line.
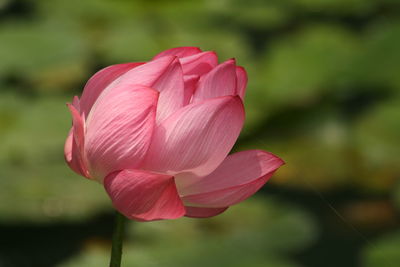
(119,128)
(171,87)
(241,81)
(197,137)
(163,74)
(190,87)
(238,177)
(70,150)
(179,52)
(199,64)
(78,126)
(74,145)
(221,81)
(195,212)
(100,81)
(146,74)
(68,146)
(76,103)
(144,196)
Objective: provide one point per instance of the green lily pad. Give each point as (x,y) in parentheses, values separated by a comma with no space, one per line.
(298,70)
(50,57)
(380,60)
(35,182)
(384,252)
(338,6)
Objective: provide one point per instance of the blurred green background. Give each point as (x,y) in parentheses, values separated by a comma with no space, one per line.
(323,94)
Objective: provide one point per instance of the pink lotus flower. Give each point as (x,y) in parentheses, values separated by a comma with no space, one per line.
(157,136)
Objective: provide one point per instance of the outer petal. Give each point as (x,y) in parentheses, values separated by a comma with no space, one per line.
(221,81)
(197,137)
(78,127)
(144,196)
(74,145)
(179,52)
(199,64)
(119,129)
(237,178)
(76,103)
(195,212)
(68,147)
(72,155)
(100,81)
(241,81)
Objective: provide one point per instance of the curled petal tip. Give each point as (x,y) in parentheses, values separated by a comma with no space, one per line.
(196,212)
(238,177)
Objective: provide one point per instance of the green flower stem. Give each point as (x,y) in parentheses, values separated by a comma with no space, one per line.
(117,240)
